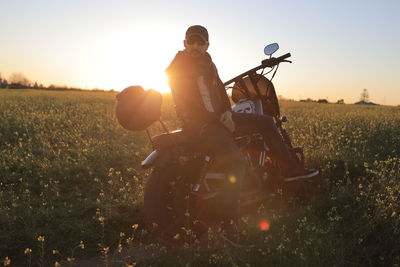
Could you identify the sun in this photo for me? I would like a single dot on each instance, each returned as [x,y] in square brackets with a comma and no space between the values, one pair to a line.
[157,82]
[131,58]
[128,75]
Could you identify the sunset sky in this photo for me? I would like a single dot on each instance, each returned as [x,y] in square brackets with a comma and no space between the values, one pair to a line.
[338,47]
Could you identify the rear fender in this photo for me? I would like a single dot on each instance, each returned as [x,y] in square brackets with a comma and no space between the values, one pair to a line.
[158,158]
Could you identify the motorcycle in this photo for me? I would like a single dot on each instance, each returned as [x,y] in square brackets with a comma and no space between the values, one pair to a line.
[182,192]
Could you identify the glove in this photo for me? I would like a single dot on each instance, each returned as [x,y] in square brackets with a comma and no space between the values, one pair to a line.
[226,120]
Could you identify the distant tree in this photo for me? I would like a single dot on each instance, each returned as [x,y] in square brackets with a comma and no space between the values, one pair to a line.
[364,96]
[340,101]
[4,83]
[35,85]
[307,100]
[322,101]
[19,78]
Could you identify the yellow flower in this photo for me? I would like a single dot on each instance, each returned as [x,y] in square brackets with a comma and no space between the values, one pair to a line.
[28,251]
[40,238]
[7,261]
[57,264]
[106,250]
[129,240]
[81,245]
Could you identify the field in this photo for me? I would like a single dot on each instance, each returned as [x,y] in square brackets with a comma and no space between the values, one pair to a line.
[71,188]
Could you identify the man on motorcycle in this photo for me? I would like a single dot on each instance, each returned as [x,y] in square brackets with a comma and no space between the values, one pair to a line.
[204,107]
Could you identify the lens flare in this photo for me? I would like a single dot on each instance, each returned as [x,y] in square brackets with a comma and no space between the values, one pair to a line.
[232,179]
[263,225]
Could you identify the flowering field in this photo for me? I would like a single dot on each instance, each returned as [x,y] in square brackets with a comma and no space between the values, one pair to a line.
[71,187]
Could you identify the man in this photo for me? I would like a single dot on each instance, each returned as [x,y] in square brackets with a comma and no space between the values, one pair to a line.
[204,107]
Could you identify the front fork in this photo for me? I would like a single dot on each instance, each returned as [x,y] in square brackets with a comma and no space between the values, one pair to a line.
[296,152]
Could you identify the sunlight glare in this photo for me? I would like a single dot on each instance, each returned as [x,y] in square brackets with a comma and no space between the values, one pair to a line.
[264,225]
[135,56]
[232,179]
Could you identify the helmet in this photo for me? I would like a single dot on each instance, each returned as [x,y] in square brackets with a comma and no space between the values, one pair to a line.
[137,109]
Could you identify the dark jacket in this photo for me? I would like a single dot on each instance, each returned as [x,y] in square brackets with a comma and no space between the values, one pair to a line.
[198,92]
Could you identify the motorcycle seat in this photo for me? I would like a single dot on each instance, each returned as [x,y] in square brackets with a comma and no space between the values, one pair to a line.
[165,140]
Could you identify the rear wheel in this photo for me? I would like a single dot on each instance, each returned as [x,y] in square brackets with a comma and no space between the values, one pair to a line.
[169,207]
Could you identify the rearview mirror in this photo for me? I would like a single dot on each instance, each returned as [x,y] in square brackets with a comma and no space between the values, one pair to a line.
[270,49]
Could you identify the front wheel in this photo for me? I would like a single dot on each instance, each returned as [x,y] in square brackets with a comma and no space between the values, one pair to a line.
[169,208]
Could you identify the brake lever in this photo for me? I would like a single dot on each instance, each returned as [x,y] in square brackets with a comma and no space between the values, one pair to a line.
[288,61]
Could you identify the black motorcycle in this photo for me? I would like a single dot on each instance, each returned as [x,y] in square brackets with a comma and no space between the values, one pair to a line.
[183,191]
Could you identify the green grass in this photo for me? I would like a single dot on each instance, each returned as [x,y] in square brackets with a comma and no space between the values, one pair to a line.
[70,173]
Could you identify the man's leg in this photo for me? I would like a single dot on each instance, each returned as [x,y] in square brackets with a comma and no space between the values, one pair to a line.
[265,125]
[217,140]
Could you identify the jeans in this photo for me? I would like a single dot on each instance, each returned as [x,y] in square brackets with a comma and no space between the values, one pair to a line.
[218,141]
[250,123]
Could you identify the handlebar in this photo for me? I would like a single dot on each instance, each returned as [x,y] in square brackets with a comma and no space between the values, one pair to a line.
[269,62]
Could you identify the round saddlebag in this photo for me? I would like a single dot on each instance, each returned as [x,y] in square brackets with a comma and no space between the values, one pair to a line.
[137,109]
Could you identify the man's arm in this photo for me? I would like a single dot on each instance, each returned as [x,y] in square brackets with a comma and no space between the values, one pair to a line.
[176,85]
[221,91]
[188,101]
[226,116]
[227,122]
